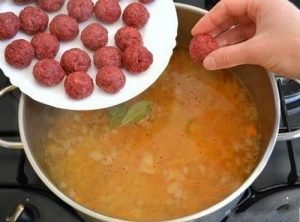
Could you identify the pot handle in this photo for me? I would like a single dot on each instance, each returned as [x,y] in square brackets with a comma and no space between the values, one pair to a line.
[288,136]
[3,143]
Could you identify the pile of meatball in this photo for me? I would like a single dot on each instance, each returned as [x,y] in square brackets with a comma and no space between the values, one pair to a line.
[129,52]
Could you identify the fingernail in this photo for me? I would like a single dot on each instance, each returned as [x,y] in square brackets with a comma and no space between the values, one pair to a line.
[193,31]
[210,63]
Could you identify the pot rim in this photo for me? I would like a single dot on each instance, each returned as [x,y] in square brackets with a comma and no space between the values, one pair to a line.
[260,166]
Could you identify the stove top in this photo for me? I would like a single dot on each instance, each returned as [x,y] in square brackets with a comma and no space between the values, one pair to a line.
[273,197]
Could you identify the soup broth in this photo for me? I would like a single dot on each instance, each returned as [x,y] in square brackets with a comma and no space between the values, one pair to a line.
[183,145]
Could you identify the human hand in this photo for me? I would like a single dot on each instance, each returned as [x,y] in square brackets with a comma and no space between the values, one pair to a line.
[262,32]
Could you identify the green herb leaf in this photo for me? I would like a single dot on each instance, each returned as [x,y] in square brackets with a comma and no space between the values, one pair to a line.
[116,114]
[137,112]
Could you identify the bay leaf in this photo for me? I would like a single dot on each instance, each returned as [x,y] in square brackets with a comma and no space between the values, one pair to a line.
[137,112]
[117,114]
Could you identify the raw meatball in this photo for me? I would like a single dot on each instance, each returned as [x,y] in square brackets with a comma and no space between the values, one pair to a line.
[94,36]
[33,20]
[64,27]
[50,5]
[75,60]
[146,1]
[9,25]
[108,56]
[19,53]
[78,85]
[23,2]
[48,72]
[108,11]
[200,46]
[111,79]
[128,36]
[137,59]
[136,15]
[45,45]
[81,10]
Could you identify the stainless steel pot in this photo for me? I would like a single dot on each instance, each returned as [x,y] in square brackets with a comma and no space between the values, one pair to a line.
[261,84]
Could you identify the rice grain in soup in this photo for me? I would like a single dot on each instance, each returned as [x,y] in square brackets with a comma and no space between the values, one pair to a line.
[189,141]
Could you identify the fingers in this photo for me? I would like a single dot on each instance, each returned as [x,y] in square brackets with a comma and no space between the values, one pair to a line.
[220,18]
[215,21]
[237,34]
[232,55]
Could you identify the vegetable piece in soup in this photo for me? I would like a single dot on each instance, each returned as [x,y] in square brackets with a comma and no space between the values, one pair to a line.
[183,145]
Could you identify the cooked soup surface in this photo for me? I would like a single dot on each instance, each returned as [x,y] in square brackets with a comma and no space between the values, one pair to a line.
[180,147]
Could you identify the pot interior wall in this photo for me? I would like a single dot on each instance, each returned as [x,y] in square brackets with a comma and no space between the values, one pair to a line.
[35,127]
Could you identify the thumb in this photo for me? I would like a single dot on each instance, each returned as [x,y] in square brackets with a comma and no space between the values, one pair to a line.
[229,56]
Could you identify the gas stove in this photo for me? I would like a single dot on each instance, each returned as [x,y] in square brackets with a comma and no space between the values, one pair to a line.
[274,196]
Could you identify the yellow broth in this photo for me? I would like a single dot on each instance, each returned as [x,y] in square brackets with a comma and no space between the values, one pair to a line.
[200,141]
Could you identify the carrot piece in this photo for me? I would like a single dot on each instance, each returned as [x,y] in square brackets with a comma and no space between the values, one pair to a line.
[251,131]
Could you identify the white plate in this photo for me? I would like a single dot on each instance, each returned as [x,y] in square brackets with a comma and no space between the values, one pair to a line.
[159,37]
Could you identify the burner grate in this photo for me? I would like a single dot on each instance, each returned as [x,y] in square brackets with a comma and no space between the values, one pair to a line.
[294,172]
